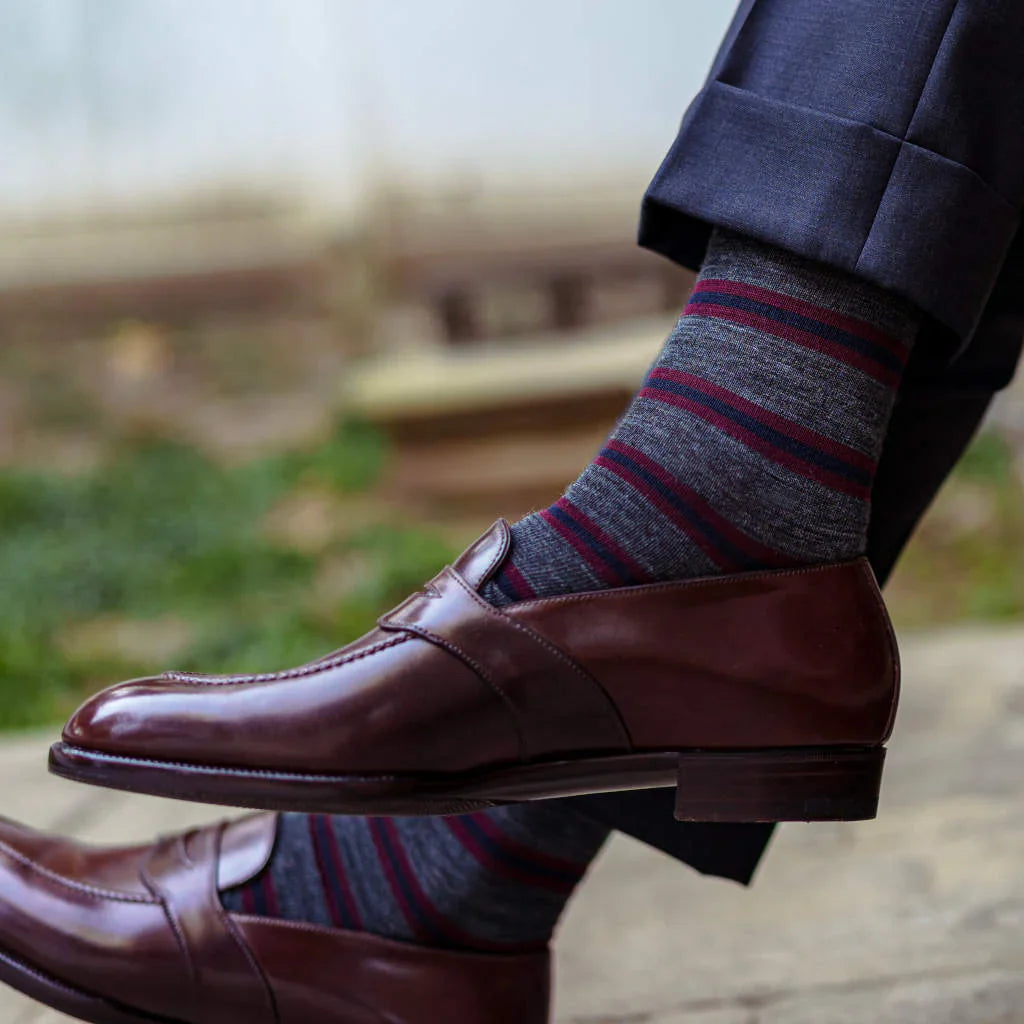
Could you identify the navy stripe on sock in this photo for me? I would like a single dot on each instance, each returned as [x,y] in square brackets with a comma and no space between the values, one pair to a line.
[532,870]
[258,902]
[332,874]
[502,582]
[401,887]
[798,449]
[789,318]
[736,557]
[621,572]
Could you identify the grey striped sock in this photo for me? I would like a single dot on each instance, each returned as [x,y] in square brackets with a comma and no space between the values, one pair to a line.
[753,442]
[493,880]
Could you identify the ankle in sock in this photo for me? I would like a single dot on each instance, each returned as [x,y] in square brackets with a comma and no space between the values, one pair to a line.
[494,880]
[752,443]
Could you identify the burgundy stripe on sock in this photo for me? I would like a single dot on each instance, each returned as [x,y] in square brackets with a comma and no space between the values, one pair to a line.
[669,508]
[725,544]
[269,895]
[521,589]
[829,317]
[400,891]
[634,571]
[424,919]
[730,546]
[511,861]
[835,449]
[853,342]
[341,904]
[808,453]
[249,900]
[546,861]
[584,550]
[611,564]
[805,339]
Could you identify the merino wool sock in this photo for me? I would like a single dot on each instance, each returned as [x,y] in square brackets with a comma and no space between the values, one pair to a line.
[752,443]
[492,881]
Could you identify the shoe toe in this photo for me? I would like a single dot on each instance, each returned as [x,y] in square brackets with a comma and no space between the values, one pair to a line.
[153,717]
[72,917]
[35,897]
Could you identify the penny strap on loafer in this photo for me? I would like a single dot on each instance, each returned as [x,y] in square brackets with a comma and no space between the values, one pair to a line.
[556,704]
[182,873]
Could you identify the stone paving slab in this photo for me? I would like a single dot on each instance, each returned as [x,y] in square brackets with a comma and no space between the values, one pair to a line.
[916,918]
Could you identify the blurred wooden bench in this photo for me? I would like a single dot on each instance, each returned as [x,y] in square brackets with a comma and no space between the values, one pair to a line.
[497,411]
[572,266]
[569,276]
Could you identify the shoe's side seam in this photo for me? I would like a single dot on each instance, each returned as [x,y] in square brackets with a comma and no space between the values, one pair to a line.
[294,673]
[79,887]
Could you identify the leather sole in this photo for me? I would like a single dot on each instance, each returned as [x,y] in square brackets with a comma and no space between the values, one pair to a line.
[43,988]
[786,784]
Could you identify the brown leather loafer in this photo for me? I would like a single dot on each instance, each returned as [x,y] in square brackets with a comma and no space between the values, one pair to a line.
[764,696]
[138,936]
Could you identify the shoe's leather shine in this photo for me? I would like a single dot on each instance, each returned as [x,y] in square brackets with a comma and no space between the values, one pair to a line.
[138,935]
[451,703]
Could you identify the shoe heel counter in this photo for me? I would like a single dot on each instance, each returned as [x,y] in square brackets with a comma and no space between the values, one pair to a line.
[872,667]
[885,641]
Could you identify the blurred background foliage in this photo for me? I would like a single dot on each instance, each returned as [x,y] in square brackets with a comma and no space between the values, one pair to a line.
[159,555]
[966,561]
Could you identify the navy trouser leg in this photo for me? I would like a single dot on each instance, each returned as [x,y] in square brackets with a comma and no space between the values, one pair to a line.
[884,137]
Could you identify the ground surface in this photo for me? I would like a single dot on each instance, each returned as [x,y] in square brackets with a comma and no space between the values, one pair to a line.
[917,918]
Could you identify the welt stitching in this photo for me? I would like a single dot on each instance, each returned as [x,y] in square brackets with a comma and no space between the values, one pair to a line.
[205,769]
[293,673]
[90,890]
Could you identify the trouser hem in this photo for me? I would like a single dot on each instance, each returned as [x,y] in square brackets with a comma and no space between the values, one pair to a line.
[833,190]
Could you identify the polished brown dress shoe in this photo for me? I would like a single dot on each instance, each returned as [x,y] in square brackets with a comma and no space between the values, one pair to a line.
[764,696]
[138,936]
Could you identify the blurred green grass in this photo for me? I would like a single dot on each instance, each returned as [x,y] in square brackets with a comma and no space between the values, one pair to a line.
[966,559]
[159,534]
